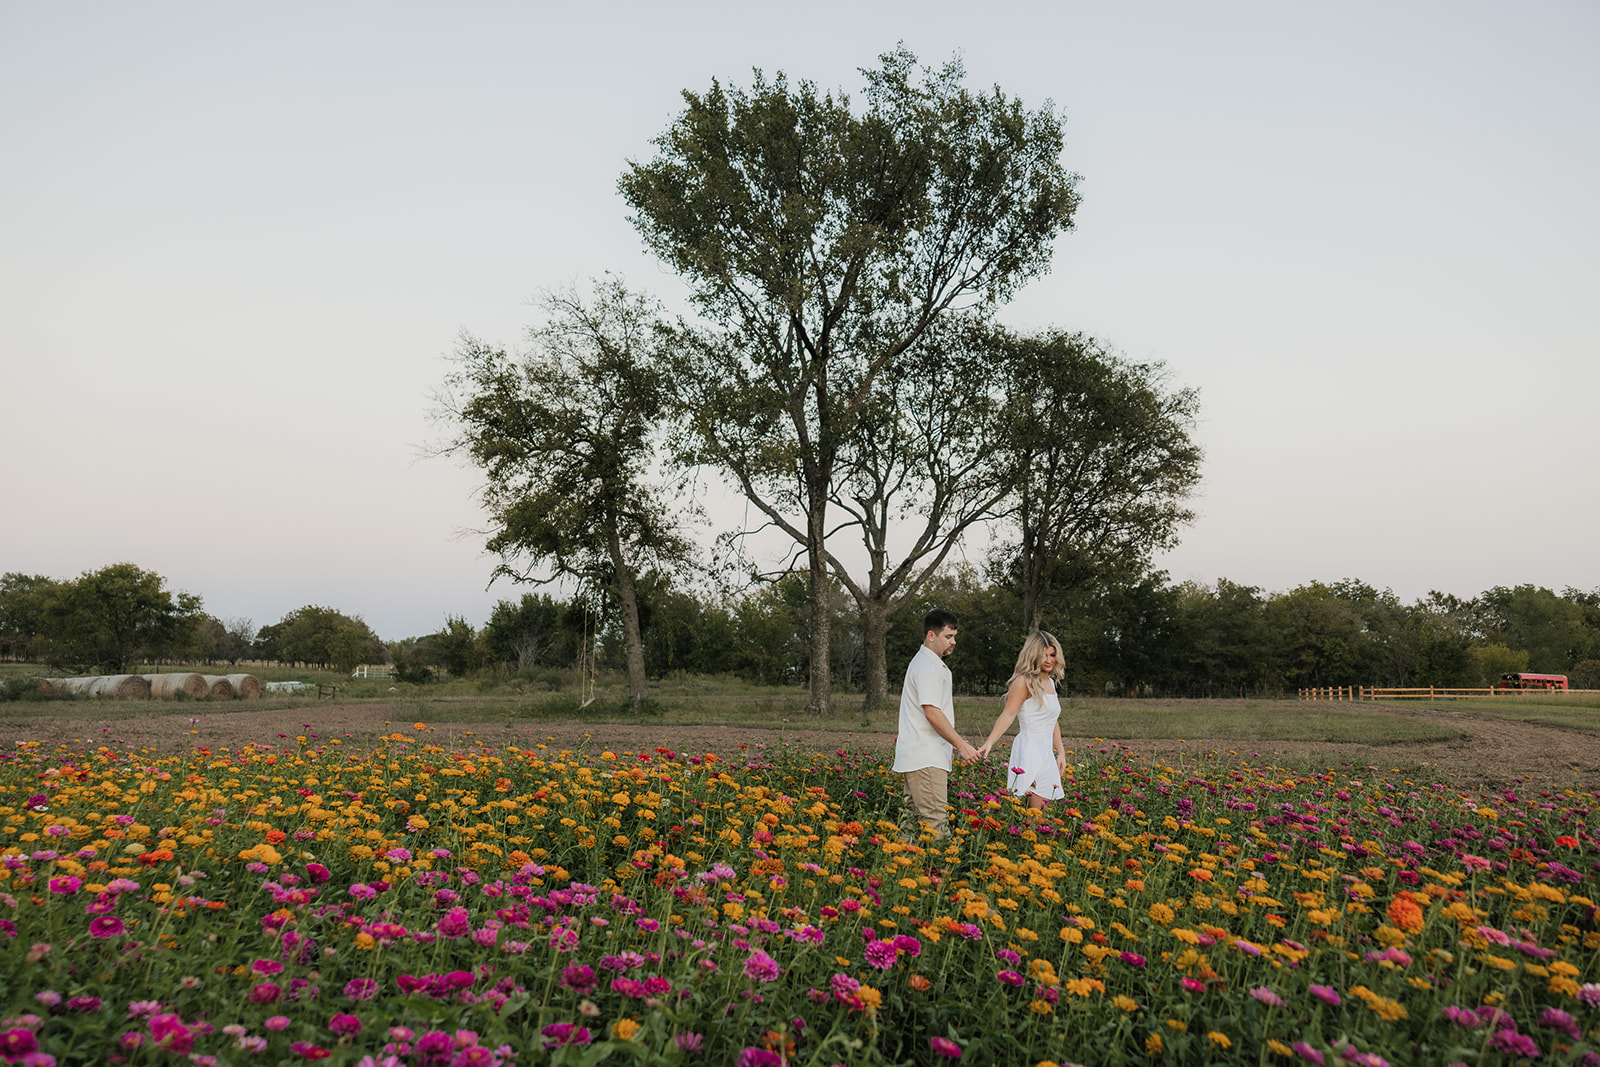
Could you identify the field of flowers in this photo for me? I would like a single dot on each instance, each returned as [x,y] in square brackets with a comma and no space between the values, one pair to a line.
[417,906]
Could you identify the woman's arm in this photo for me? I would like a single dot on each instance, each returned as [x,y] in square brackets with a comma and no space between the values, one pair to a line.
[1015,695]
[1061,750]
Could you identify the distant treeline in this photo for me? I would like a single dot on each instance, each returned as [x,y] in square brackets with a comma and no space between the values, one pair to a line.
[1135,635]
[1147,636]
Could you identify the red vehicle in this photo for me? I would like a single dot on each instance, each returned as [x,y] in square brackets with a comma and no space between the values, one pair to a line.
[1533,681]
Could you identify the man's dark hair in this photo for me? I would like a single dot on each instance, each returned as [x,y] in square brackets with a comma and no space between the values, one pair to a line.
[937,620]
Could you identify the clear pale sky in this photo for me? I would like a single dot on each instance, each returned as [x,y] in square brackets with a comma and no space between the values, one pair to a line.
[237,241]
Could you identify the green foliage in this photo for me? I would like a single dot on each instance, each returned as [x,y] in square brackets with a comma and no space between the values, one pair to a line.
[321,636]
[23,687]
[533,632]
[24,623]
[1099,449]
[566,439]
[1557,632]
[820,245]
[114,616]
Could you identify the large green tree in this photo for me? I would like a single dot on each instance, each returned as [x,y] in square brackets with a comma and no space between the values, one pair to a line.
[1103,462]
[820,242]
[112,617]
[566,437]
[323,636]
[24,622]
[1554,630]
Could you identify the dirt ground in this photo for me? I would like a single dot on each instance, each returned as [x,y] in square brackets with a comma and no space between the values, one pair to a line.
[1491,754]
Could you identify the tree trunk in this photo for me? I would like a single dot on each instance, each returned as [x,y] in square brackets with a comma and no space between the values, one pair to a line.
[633,637]
[821,646]
[874,635]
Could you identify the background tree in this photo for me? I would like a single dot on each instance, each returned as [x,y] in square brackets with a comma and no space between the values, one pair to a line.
[1102,458]
[566,438]
[530,633]
[24,624]
[1554,630]
[819,245]
[457,646]
[321,636]
[112,617]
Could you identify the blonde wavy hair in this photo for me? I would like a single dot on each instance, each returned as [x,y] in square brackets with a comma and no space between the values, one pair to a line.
[1031,658]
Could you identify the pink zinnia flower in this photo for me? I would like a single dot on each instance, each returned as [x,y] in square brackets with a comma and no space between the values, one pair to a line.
[456,923]
[105,926]
[881,954]
[1011,978]
[1267,997]
[1325,994]
[344,1025]
[761,967]
[66,883]
[558,1034]
[1193,985]
[359,989]
[17,1043]
[267,967]
[945,1047]
[169,1032]
[908,944]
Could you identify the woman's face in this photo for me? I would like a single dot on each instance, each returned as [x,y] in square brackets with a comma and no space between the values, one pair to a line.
[1047,663]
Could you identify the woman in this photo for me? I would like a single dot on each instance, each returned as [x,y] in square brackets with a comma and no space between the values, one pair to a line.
[1038,758]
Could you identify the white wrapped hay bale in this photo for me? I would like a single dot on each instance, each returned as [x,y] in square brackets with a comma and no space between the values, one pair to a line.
[170,685]
[245,686]
[115,686]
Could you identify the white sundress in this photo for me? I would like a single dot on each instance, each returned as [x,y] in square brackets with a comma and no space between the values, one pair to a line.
[1033,757]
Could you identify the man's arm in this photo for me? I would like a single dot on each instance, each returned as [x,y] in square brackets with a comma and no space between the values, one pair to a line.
[942,727]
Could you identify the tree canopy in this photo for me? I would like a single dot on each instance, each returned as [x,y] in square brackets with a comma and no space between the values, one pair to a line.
[820,243]
[566,437]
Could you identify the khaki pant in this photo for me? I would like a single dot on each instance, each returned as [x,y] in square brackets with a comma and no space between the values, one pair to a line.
[928,789]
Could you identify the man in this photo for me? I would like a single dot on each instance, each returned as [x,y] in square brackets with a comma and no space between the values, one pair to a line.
[922,752]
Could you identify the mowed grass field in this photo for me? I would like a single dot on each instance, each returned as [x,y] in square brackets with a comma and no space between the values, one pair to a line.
[558,696]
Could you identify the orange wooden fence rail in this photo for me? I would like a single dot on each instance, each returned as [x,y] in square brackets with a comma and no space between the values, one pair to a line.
[1424,692]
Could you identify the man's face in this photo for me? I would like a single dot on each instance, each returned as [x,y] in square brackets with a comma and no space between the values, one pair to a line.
[941,642]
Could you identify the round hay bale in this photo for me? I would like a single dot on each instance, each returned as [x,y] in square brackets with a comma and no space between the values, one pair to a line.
[170,685]
[245,686]
[118,687]
[218,687]
[64,685]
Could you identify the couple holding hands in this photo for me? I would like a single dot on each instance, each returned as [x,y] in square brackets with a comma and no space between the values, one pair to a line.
[928,740]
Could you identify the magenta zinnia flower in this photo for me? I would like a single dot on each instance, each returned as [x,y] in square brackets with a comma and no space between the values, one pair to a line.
[557,1034]
[359,989]
[1326,994]
[945,1047]
[345,1024]
[105,926]
[761,967]
[880,954]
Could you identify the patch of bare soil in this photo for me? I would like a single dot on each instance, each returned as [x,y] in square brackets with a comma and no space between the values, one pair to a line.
[1489,753]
